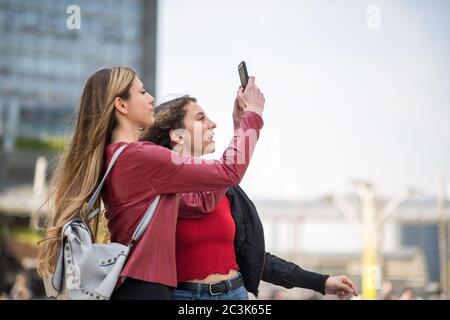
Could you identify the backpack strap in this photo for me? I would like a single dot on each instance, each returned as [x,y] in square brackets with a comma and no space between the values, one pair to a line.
[144,221]
[148,214]
[94,197]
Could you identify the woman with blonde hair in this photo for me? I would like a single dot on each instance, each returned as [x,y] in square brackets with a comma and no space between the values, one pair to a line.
[113,111]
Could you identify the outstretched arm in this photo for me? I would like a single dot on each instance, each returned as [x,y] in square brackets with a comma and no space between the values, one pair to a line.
[288,274]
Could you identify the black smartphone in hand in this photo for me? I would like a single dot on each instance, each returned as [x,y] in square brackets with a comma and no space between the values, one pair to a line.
[243,74]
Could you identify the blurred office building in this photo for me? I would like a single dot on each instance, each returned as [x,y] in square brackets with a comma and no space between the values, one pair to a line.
[44,63]
[48,49]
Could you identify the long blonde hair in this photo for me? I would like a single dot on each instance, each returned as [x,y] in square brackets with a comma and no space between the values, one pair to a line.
[81,164]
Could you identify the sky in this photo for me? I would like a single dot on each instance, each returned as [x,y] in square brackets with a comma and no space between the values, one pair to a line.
[343,101]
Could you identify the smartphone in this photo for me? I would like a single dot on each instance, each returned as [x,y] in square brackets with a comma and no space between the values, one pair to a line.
[242,68]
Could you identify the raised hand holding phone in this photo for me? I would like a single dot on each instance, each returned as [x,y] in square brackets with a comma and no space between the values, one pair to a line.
[251,99]
[248,98]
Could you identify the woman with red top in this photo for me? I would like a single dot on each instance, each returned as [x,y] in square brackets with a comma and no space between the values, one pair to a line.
[114,110]
[222,255]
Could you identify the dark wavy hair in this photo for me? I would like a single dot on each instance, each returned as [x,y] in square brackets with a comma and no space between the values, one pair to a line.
[168,116]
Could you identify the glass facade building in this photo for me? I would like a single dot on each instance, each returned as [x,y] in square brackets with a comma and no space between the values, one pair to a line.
[44,64]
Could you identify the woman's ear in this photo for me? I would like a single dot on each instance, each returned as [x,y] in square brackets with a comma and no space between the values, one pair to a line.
[120,105]
[175,136]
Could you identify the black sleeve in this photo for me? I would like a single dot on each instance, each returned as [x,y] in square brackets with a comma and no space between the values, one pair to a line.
[288,275]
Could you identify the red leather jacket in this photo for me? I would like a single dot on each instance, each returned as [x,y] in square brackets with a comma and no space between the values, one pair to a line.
[145,170]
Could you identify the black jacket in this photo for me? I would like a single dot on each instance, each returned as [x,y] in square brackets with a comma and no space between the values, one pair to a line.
[254,262]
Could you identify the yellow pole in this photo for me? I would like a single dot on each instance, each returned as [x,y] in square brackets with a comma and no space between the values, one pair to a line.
[370,271]
[370,274]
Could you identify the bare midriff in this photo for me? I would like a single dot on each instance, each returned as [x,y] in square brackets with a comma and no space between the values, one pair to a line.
[216,277]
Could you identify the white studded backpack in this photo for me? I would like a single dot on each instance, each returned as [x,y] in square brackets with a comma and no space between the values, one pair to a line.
[88,270]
